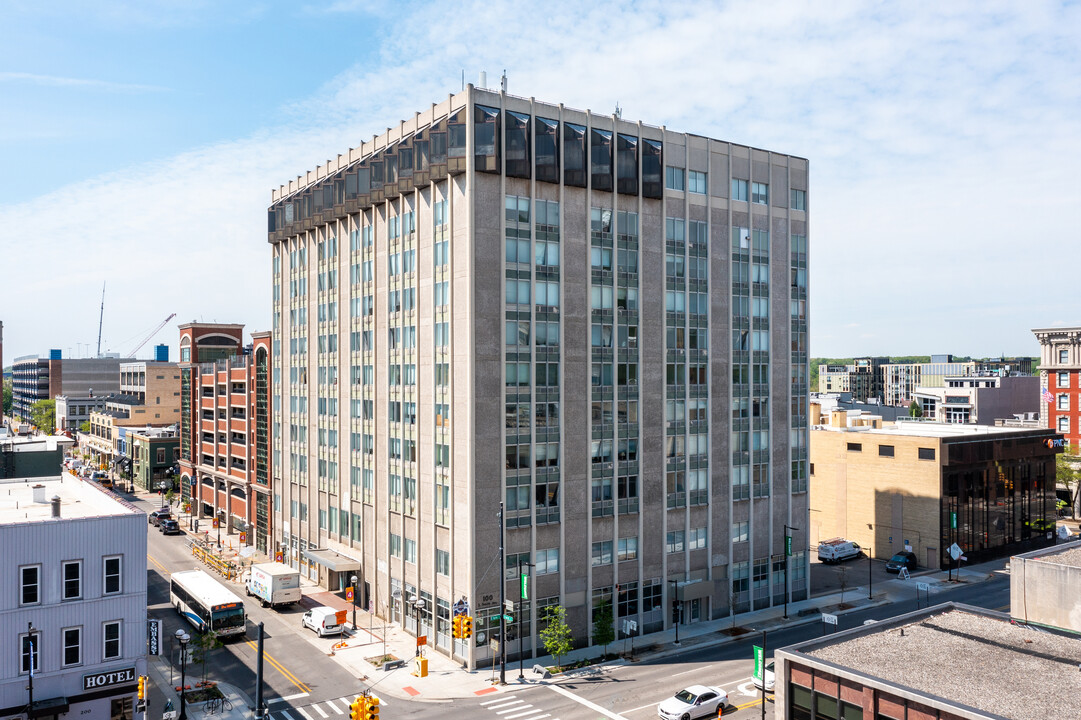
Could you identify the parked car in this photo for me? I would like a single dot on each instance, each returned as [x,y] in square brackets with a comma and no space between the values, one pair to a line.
[837,549]
[901,560]
[158,515]
[769,679]
[170,527]
[323,620]
[693,702]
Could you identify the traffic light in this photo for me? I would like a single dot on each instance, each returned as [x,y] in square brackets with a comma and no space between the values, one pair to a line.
[467,626]
[356,708]
[142,687]
[373,708]
[457,626]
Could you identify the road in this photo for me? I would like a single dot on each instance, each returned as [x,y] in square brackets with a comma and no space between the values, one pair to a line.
[303,683]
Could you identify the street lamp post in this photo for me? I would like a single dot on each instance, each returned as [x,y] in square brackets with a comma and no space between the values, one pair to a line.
[787,552]
[678,606]
[870,571]
[183,638]
[523,596]
[353,582]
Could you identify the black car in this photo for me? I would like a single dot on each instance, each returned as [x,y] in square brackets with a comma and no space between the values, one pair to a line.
[901,560]
[170,527]
[157,516]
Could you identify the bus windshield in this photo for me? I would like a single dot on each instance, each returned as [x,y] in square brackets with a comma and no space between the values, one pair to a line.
[233,617]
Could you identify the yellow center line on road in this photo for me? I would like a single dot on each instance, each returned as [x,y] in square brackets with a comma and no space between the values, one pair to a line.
[281,668]
[750,704]
[153,560]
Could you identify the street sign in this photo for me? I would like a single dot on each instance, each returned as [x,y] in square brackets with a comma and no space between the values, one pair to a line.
[508,605]
[525,586]
[953,521]
[494,644]
[630,627]
[422,640]
[955,551]
[508,618]
[829,619]
[923,587]
[758,660]
[788,545]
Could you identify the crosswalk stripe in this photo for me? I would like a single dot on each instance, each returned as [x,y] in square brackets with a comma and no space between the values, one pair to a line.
[531,712]
[306,715]
[319,710]
[287,715]
[521,706]
[520,714]
[498,700]
[333,707]
[505,704]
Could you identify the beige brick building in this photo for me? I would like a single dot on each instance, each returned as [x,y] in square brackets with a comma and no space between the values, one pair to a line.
[927,485]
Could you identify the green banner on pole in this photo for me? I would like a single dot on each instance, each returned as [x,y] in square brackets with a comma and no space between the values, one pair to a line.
[758,657]
[953,521]
[788,545]
[525,586]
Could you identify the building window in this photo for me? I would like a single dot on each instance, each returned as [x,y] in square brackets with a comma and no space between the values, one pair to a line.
[628,548]
[1063,424]
[73,575]
[1063,402]
[602,553]
[673,178]
[547,561]
[31,652]
[926,453]
[885,450]
[411,551]
[739,189]
[855,447]
[110,640]
[395,545]
[674,541]
[696,182]
[30,585]
[741,532]
[111,575]
[73,642]
[696,540]
[760,193]
[799,199]
[1063,356]
[442,562]
[1064,379]
[799,703]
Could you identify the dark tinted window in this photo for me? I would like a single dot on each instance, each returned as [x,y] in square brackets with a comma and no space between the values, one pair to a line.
[799,702]
[516,137]
[318,198]
[885,450]
[855,447]
[546,149]
[627,164]
[391,166]
[574,155]
[351,185]
[439,148]
[455,134]
[486,138]
[377,173]
[364,180]
[420,149]
[652,164]
[600,159]
[926,453]
[405,161]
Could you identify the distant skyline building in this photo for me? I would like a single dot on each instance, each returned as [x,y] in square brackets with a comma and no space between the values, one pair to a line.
[35,378]
[599,323]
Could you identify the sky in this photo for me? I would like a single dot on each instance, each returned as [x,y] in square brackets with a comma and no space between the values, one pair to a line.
[140,140]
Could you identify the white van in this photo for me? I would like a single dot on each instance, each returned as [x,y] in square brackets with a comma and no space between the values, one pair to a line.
[836,550]
[323,620]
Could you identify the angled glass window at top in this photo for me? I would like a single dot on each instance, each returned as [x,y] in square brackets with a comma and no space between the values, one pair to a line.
[546,149]
[600,159]
[627,164]
[652,165]
[574,155]
[516,140]
[486,139]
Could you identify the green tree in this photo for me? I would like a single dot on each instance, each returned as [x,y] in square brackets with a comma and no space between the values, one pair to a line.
[202,645]
[914,410]
[556,635]
[43,414]
[7,397]
[604,630]
[1068,473]
[85,427]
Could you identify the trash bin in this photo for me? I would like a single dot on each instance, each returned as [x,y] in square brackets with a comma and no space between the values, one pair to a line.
[420,666]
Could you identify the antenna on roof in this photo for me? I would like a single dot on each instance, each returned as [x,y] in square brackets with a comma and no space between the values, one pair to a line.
[503,81]
[463,79]
[619,111]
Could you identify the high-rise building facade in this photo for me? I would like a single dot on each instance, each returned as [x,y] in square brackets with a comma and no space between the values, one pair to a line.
[1060,382]
[600,324]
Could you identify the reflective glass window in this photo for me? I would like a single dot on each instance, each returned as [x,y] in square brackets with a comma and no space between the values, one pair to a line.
[574,155]
[652,162]
[600,159]
[455,135]
[486,138]
[627,164]
[546,149]
[516,140]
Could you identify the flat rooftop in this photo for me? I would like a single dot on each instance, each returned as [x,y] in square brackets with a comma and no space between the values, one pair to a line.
[928,429]
[78,499]
[1069,555]
[971,658]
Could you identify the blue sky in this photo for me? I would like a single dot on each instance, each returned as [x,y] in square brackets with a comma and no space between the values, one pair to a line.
[140,141]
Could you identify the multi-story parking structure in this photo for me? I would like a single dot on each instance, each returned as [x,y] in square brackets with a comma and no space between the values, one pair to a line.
[599,323]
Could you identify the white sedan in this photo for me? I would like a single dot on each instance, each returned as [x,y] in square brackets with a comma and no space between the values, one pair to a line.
[770,679]
[694,702]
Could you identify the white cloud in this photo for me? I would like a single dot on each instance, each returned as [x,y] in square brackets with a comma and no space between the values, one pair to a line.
[71,82]
[942,139]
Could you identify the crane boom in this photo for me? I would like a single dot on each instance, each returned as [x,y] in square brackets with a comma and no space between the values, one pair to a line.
[101,317]
[152,334]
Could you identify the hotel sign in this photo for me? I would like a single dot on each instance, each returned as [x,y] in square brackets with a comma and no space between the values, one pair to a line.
[97,681]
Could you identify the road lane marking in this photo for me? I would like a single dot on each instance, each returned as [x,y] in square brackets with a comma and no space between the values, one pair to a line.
[152,559]
[514,709]
[334,707]
[582,701]
[535,717]
[306,715]
[501,699]
[505,703]
[534,711]
[642,707]
[287,698]
[281,668]
[287,715]
[747,705]
[319,710]
[697,669]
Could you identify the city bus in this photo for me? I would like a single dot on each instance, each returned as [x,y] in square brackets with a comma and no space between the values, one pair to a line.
[206,603]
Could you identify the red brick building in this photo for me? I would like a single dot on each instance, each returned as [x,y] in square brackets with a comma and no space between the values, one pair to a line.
[1060,382]
[224,434]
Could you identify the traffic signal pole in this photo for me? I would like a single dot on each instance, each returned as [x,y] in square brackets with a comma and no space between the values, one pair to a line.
[502,604]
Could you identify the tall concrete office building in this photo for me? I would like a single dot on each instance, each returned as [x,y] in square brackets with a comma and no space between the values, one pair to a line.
[599,323]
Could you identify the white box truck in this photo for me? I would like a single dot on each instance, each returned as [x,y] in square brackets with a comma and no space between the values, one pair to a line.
[274,583]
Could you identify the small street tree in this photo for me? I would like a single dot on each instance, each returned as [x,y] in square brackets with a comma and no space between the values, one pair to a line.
[203,644]
[557,634]
[43,414]
[603,625]
[7,397]
[1068,473]
[842,576]
[914,410]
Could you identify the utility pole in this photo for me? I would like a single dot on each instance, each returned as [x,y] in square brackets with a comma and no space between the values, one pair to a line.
[502,604]
[764,675]
[870,571]
[260,707]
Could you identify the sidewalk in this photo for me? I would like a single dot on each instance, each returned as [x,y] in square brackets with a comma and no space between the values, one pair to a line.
[160,672]
[447,679]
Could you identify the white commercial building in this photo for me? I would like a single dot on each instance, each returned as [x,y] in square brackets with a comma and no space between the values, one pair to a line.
[72,601]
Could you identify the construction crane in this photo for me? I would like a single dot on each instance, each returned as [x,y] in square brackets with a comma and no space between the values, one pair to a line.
[153,332]
[101,318]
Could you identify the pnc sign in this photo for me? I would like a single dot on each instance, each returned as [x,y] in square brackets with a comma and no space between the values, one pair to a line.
[96,681]
[1055,442]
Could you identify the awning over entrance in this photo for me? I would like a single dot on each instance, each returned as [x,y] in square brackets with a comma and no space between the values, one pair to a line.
[332,560]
